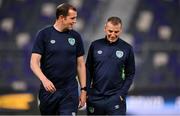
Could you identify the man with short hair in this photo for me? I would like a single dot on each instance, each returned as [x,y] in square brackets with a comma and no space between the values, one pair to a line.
[57,57]
[110,70]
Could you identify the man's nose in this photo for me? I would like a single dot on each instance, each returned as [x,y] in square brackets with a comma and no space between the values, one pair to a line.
[74,21]
[113,35]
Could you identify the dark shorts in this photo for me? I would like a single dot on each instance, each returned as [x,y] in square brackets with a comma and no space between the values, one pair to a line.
[113,105]
[60,102]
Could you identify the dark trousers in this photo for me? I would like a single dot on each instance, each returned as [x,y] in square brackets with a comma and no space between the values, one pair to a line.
[113,105]
[60,102]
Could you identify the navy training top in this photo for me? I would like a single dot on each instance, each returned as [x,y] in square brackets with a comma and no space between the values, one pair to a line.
[110,68]
[59,52]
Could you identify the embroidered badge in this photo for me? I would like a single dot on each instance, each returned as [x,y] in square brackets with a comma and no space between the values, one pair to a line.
[116,107]
[91,109]
[99,51]
[71,41]
[52,41]
[119,54]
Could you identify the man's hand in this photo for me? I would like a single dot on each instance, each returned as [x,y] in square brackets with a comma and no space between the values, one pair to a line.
[48,85]
[82,99]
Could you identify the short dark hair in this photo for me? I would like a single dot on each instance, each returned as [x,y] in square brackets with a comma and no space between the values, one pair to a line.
[114,20]
[63,9]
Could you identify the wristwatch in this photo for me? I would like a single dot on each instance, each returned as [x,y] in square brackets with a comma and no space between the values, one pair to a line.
[84,88]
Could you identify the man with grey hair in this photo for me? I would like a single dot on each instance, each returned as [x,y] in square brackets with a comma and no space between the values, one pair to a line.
[110,70]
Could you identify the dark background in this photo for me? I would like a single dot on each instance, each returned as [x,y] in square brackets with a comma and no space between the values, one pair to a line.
[157,54]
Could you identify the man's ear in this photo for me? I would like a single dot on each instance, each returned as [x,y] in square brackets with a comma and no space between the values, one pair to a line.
[105,28]
[61,17]
[121,30]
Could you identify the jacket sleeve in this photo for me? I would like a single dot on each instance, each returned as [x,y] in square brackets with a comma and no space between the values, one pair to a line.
[89,68]
[129,73]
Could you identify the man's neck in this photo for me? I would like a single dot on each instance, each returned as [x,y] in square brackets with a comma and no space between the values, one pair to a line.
[112,41]
[58,26]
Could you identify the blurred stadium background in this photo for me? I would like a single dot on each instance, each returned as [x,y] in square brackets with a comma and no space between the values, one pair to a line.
[150,26]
